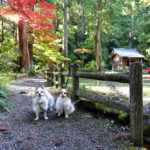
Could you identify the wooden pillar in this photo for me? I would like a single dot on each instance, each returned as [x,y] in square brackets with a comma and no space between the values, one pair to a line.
[56,78]
[136,104]
[75,83]
[62,77]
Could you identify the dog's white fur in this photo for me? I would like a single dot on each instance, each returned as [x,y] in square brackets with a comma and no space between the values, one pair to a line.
[63,103]
[41,101]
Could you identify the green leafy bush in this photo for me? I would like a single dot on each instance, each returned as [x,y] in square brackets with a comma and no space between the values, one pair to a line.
[90,66]
[3,95]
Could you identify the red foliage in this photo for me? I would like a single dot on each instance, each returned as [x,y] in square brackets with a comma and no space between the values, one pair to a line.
[23,9]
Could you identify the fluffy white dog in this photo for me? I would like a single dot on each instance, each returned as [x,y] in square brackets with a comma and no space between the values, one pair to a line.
[63,104]
[41,101]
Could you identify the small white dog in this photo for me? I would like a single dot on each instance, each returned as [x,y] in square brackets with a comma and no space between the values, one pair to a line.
[41,101]
[63,104]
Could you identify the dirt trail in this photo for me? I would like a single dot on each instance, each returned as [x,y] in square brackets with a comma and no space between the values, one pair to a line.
[80,131]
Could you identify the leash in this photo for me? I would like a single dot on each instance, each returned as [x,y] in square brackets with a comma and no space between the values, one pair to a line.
[68,77]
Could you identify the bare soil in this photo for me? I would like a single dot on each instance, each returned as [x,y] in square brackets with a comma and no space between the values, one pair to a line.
[81,131]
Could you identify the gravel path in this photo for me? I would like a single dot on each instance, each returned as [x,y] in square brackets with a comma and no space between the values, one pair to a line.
[80,131]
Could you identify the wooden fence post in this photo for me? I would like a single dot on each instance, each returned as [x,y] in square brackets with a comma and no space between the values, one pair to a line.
[75,82]
[45,74]
[62,78]
[136,104]
[52,77]
[56,78]
[48,76]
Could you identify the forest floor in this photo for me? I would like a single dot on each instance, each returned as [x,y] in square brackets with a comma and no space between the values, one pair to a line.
[81,131]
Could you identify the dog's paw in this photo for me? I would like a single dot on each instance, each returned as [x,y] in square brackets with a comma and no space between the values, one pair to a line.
[45,118]
[58,114]
[66,116]
[37,118]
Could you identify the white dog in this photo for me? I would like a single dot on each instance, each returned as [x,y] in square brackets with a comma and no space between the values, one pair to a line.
[63,104]
[41,101]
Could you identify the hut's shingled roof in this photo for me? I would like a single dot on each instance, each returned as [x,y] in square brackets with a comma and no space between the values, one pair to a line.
[131,53]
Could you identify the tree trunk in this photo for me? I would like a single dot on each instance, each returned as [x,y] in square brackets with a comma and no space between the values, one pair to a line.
[30,48]
[65,38]
[23,46]
[98,46]
[2,24]
[83,17]
[130,34]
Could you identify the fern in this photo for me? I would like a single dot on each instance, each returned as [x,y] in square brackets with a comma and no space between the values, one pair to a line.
[3,95]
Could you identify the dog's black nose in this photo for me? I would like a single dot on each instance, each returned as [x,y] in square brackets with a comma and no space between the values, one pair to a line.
[39,95]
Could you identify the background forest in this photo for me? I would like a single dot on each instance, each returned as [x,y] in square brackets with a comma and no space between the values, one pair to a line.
[91,29]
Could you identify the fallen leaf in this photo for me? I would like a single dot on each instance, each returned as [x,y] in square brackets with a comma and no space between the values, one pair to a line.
[31,135]
[3,128]
[119,136]
[12,94]
[67,135]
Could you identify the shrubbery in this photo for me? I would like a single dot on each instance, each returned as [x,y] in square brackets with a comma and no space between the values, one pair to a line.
[3,95]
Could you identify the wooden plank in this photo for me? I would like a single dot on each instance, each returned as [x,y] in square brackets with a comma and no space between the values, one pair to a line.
[105,77]
[106,100]
[136,104]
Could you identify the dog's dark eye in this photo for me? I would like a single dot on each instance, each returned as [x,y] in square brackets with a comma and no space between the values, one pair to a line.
[37,92]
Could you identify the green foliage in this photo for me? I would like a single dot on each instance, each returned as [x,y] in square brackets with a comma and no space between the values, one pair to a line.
[90,66]
[9,50]
[109,125]
[123,117]
[3,95]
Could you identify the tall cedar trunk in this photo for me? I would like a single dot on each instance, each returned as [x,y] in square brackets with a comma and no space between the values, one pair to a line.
[30,47]
[98,46]
[23,46]
[65,38]
[2,24]
[99,8]
[130,34]
[83,17]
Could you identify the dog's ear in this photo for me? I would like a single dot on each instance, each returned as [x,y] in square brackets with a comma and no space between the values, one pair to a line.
[67,92]
[60,91]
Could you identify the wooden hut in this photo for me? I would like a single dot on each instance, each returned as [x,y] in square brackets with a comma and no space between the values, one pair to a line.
[121,58]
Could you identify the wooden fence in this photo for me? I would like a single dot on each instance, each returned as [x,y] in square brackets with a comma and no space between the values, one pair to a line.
[134,79]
